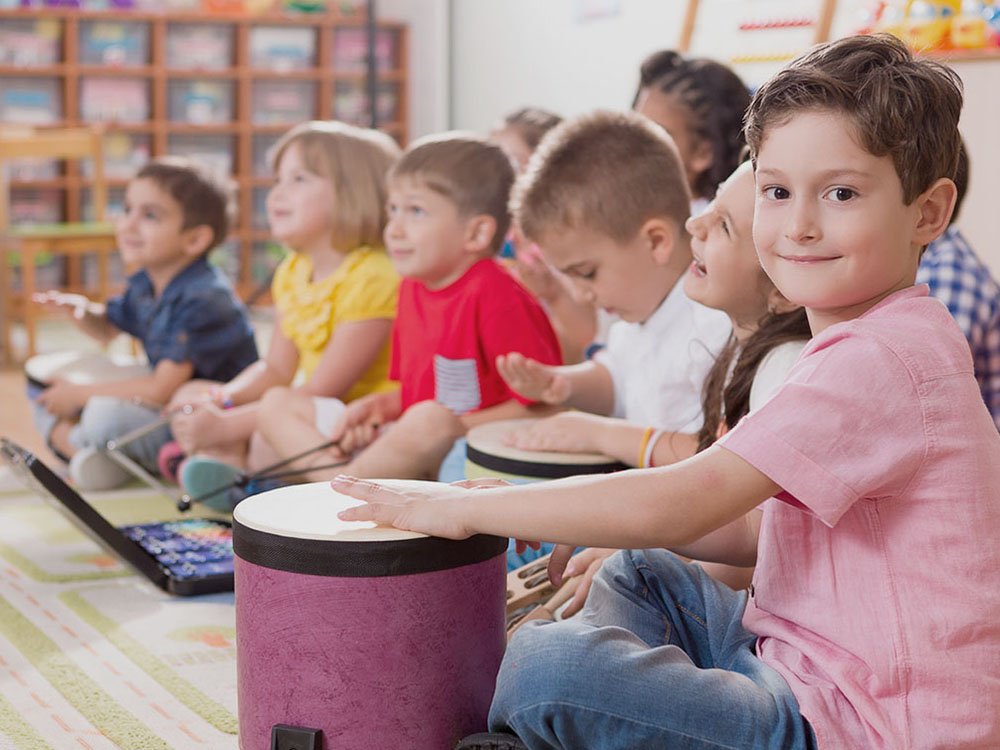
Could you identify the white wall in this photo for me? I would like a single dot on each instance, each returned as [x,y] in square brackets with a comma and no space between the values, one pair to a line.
[518,53]
[429,66]
[514,53]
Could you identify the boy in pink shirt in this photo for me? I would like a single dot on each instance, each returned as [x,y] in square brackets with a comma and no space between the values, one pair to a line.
[867,491]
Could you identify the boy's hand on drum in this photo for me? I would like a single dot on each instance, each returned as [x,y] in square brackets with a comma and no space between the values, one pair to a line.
[63,399]
[533,380]
[74,305]
[428,512]
[571,431]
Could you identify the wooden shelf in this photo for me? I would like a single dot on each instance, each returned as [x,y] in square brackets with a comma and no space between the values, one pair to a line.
[246,83]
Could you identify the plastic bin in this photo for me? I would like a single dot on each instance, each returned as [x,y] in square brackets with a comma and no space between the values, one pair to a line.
[205,46]
[114,99]
[283,102]
[29,42]
[110,43]
[212,151]
[30,100]
[200,102]
[282,47]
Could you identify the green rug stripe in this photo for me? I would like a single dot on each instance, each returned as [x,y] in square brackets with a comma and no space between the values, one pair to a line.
[18,731]
[85,695]
[33,571]
[212,712]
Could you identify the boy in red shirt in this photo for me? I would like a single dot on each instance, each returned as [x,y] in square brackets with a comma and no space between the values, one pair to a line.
[458,310]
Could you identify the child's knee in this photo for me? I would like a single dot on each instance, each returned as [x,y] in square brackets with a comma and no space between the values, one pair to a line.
[542,660]
[101,420]
[276,401]
[434,420]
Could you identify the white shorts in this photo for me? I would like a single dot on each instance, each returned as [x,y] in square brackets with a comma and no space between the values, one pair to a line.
[328,414]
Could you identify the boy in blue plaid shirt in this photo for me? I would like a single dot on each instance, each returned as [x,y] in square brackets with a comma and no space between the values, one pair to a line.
[957,277]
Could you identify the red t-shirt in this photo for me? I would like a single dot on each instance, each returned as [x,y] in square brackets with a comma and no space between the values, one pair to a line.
[445,342]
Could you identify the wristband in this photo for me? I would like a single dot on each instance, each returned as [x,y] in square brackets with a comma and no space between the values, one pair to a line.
[220,399]
[647,433]
[650,446]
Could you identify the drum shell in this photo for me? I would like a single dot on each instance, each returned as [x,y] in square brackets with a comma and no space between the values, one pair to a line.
[373,661]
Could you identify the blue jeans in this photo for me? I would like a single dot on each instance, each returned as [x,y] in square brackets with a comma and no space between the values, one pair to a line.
[107,418]
[658,658]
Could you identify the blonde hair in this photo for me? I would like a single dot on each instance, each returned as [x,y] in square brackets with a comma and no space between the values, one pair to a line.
[468,170]
[355,161]
[608,172]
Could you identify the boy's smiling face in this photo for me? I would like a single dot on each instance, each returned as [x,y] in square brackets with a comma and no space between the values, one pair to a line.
[426,236]
[830,225]
[150,231]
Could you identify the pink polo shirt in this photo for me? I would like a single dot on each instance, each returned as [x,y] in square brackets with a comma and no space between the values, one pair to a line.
[877,588]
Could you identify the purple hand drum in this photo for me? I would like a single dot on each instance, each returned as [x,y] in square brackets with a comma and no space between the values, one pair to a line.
[378,637]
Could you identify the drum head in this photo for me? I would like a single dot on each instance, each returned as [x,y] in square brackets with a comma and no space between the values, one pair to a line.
[296,529]
[81,368]
[309,511]
[485,447]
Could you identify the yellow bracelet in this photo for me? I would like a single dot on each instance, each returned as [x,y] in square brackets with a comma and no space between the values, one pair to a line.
[647,433]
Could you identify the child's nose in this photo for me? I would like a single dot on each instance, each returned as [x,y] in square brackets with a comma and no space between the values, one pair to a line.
[802,223]
[695,226]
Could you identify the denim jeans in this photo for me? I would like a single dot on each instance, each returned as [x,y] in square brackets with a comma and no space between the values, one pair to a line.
[106,418]
[658,658]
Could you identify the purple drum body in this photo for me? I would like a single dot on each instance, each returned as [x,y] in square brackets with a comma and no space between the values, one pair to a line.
[379,643]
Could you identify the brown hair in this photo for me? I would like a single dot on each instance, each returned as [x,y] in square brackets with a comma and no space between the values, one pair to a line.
[605,171]
[205,198]
[715,100]
[726,396]
[468,170]
[355,161]
[531,124]
[901,107]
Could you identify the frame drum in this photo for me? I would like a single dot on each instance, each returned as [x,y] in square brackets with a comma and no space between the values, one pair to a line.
[488,456]
[377,637]
[83,368]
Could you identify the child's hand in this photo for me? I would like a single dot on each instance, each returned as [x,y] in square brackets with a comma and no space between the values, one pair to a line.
[359,426]
[585,564]
[435,512]
[533,380]
[571,432]
[64,303]
[63,399]
[203,426]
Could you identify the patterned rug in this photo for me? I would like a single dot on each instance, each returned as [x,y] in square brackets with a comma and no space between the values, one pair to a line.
[94,657]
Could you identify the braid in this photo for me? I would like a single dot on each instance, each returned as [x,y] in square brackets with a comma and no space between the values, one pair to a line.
[716,99]
[729,395]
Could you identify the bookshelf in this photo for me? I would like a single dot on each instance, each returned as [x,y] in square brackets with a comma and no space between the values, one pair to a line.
[220,87]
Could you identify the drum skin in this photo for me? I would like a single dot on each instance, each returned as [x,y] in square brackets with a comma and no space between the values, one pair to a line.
[373,655]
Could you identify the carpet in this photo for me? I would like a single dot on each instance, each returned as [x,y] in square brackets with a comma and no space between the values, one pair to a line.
[93,656]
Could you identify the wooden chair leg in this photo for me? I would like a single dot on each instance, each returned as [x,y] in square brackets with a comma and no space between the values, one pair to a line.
[27,291]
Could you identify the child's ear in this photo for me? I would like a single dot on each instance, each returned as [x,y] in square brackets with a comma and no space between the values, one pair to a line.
[197,240]
[661,237]
[934,205]
[479,233]
[702,157]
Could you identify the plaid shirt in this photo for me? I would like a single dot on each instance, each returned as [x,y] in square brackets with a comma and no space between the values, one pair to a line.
[957,277]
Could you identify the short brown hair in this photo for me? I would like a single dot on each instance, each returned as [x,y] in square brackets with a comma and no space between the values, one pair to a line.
[531,124]
[205,198]
[605,171]
[901,107]
[355,161]
[468,170]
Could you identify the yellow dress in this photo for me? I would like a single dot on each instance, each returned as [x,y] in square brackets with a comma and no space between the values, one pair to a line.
[363,287]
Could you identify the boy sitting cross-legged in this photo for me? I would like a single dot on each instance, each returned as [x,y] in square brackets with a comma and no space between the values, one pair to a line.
[459,309]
